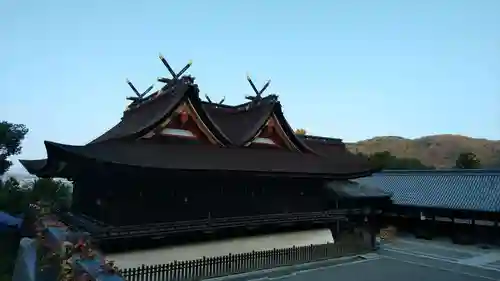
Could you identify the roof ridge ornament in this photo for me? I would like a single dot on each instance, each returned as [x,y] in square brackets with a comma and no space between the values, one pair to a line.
[171,82]
[258,94]
[210,101]
[139,97]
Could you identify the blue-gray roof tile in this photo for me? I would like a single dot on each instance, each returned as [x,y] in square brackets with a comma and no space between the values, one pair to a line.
[477,190]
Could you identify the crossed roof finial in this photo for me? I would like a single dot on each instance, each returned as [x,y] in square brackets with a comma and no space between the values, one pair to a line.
[175,76]
[139,97]
[258,94]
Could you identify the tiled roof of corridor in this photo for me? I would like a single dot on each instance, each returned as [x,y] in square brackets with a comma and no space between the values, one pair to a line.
[477,190]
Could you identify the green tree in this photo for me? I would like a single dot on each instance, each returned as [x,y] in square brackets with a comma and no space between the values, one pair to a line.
[382,159]
[13,198]
[300,131]
[467,160]
[55,192]
[11,136]
[495,164]
[390,162]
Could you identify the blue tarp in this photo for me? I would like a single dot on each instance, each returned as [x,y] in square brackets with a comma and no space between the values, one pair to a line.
[8,221]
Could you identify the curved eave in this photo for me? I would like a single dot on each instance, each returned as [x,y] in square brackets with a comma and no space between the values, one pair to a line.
[51,167]
[207,120]
[259,124]
[278,112]
[145,117]
[34,167]
[243,125]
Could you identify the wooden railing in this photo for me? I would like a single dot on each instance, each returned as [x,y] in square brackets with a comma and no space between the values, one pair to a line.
[240,263]
[160,229]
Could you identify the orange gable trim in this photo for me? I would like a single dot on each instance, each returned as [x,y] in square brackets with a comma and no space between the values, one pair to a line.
[185,123]
[282,134]
[273,134]
[204,127]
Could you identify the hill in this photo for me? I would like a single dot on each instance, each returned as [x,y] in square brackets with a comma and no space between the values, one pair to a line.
[440,151]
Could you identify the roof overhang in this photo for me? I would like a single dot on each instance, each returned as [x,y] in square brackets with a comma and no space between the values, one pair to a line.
[351,189]
[290,133]
[44,168]
[56,165]
[63,159]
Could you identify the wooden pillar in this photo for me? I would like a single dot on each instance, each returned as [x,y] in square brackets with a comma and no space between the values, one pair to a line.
[453,225]
[76,197]
[335,229]
[474,230]
[374,229]
[496,229]
[433,224]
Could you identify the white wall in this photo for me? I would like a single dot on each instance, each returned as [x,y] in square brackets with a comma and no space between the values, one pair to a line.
[220,248]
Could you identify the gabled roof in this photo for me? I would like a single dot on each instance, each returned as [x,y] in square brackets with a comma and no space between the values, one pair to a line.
[477,190]
[136,121]
[232,125]
[241,123]
[229,127]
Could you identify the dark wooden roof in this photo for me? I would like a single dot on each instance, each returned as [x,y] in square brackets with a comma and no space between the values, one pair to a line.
[34,166]
[205,158]
[140,119]
[232,126]
[342,165]
[240,124]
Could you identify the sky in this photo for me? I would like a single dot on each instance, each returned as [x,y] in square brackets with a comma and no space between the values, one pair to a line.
[347,69]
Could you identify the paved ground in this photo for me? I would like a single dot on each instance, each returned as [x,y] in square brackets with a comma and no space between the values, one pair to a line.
[405,259]
[446,251]
[382,269]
